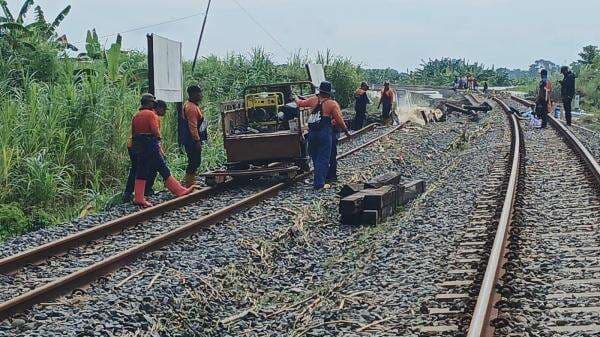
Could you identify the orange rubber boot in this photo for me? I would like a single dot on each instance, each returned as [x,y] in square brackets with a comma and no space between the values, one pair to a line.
[138,190]
[175,187]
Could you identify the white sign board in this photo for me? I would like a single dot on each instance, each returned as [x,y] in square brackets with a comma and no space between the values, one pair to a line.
[316,73]
[168,69]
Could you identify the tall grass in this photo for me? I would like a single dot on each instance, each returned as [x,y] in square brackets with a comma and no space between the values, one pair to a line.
[62,140]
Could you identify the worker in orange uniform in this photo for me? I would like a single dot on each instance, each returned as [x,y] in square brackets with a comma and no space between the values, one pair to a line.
[161,109]
[325,115]
[543,101]
[192,132]
[387,101]
[145,131]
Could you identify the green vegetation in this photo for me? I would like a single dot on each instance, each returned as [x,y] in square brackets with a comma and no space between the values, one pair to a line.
[65,120]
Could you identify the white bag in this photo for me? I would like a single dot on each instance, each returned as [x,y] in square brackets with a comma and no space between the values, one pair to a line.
[535,122]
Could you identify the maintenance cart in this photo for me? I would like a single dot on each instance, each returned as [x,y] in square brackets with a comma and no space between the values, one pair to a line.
[264,133]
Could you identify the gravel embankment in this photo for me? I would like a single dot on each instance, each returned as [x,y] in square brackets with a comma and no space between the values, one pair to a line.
[589,138]
[259,263]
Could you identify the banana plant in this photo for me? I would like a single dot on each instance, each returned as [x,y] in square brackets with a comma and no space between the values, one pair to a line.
[15,28]
[113,59]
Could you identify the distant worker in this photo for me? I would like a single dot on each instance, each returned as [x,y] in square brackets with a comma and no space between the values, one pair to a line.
[567,91]
[192,131]
[161,109]
[360,106]
[145,131]
[485,87]
[325,116]
[386,102]
[543,102]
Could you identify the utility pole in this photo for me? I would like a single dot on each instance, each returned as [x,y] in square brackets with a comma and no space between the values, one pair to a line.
[200,38]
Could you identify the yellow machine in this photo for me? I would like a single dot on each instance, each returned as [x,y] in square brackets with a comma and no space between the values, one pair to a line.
[262,109]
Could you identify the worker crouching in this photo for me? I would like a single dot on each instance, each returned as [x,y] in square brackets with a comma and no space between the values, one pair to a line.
[145,132]
[325,116]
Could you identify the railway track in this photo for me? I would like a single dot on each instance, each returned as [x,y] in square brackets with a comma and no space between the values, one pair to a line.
[539,247]
[552,286]
[63,265]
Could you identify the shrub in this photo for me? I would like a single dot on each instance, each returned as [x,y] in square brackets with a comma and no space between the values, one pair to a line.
[12,220]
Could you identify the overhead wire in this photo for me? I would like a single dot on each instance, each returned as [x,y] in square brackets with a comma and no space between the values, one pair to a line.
[148,26]
[263,28]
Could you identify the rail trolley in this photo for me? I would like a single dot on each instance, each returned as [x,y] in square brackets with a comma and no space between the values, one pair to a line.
[264,133]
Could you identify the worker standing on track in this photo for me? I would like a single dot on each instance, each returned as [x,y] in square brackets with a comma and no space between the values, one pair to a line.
[145,132]
[192,132]
[326,114]
[161,109]
[543,102]
[360,106]
[387,101]
[567,91]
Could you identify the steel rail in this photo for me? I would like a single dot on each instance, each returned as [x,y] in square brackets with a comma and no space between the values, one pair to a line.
[571,140]
[12,263]
[88,274]
[484,308]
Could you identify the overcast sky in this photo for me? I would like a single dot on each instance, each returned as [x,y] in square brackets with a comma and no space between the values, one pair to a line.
[379,34]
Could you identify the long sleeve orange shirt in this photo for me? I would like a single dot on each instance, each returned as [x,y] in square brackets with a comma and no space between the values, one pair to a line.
[193,115]
[330,108]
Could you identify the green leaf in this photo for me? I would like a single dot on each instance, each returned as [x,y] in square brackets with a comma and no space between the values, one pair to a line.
[113,59]
[24,10]
[13,26]
[59,18]
[7,12]
[39,15]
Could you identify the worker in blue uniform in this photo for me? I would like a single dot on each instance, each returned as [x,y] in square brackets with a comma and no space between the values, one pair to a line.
[325,114]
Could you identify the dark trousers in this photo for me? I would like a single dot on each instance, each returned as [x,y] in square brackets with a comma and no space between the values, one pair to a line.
[194,157]
[359,120]
[544,117]
[132,175]
[332,173]
[148,159]
[386,113]
[319,148]
[567,104]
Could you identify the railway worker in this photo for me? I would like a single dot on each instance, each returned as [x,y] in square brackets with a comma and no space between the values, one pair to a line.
[485,87]
[145,132]
[192,132]
[325,116]
[543,101]
[386,101]
[161,109]
[360,106]
[567,91]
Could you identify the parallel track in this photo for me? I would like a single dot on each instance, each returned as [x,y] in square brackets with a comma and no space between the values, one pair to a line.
[81,276]
[542,266]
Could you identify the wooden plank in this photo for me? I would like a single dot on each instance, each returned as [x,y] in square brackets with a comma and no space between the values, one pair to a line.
[377,199]
[575,310]
[390,178]
[561,296]
[443,311]
[352,204]
[433,330]
[370,217]
[451,297]
[455,284]
[350,189]
[574,282]
[576,328]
